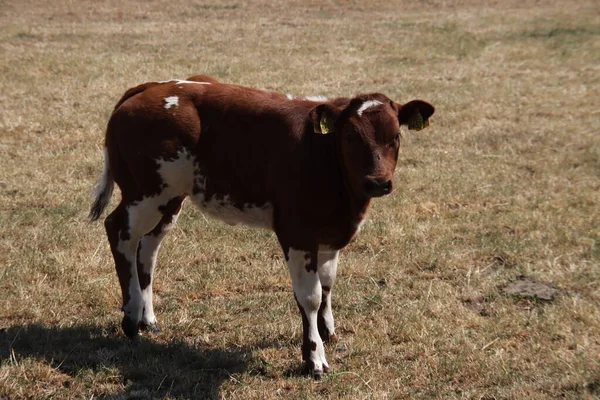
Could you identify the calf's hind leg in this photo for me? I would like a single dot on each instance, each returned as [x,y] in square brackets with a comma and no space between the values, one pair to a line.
[125,227]
[146,259]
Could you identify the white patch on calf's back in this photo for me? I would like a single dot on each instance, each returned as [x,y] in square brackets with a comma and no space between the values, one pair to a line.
[182,81]
[316,98]
[366,105]
[309,98]
[171,101]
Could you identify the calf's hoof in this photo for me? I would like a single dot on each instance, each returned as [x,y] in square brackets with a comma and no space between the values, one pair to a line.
[326,336]
[152,328]
[316,373]
[130,327]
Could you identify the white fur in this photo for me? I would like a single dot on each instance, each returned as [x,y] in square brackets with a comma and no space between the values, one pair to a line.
[366,105]
[177,174]
[180,175]
[327,269]
[316,98]
[307,289]
[225,210]
[143,216]
[361,224]
[149,246]
[182,81]
[101,184]
[309,98]
[171,101]
[104,187]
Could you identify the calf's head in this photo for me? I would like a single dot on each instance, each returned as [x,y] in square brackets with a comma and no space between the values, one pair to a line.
[367,132]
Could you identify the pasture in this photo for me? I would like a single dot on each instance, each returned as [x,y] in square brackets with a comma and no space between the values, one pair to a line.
[505,183]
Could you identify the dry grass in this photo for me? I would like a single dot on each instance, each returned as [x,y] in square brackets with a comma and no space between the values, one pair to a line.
[506,182]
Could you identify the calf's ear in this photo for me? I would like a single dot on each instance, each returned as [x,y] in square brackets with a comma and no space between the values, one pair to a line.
[415,114]
[324,117]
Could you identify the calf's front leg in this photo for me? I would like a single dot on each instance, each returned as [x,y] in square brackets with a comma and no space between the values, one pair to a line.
[308,293]
[327,270]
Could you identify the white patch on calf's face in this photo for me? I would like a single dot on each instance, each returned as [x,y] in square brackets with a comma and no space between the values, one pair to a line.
[171,101]
[366,105]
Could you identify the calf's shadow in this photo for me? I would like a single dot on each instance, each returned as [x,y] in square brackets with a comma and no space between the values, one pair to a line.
[154,370]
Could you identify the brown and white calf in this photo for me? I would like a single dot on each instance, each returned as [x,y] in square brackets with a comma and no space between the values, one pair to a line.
[304,168]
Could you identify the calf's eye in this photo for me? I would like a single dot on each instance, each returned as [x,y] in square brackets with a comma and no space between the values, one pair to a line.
[396,140]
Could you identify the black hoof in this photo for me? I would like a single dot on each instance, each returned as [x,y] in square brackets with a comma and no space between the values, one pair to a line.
[317,375]
[309,369]
[152,328]
[130,328]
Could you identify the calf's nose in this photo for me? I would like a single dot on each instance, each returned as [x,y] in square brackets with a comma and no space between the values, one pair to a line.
[378,187]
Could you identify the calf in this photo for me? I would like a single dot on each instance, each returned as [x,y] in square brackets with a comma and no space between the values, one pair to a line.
[305,168]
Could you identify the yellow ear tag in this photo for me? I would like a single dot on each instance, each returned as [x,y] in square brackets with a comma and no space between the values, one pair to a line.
[416,123]
[317,127]
[325,125]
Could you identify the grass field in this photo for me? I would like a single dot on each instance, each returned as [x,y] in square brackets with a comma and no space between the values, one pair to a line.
[505,183]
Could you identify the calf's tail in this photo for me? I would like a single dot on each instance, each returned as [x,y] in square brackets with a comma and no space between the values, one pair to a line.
[102,192]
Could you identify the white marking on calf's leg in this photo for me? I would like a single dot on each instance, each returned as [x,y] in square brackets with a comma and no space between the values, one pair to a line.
[307,291]
[178,176]
[147,254]
[127,225]
[327,270]
[143,216]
